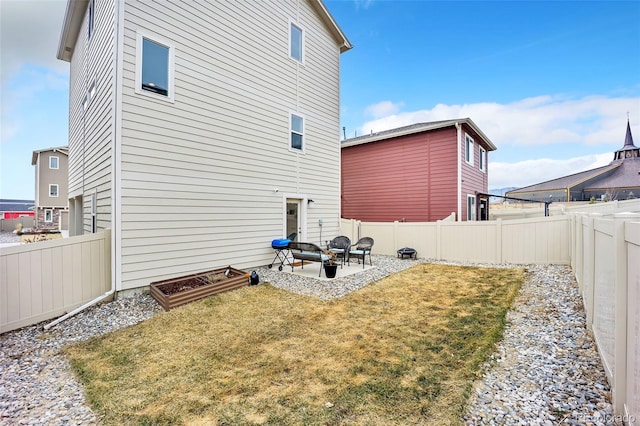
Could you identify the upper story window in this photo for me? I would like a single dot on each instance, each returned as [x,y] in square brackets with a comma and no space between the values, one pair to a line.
[468,149]
[53,162]
[297,132]
[53,190]
[154,67]
[296,42]
[483,160]
[91,18]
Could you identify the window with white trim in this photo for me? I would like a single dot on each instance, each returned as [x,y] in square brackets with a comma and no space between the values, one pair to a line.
[48,215]
[296,42]
[93,210]
[297,132]
[483,160]
[53,190]
[468,149]
[54,162]
[471,207]
[154,67]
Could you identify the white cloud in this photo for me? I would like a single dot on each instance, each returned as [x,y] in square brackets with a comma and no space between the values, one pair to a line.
[30,31]
[527,129]
[529,172]
[383,109]
[536,121]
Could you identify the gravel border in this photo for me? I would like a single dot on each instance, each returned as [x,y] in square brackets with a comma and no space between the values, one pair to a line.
[546,371]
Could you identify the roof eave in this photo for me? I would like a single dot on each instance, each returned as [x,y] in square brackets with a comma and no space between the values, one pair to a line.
[71,25]
[333,26]
[426,128]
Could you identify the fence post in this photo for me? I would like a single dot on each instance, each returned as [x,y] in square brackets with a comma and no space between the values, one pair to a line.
[589,254]
[438,239]
[395,235]
[578,267]
[619,390]
[499,241]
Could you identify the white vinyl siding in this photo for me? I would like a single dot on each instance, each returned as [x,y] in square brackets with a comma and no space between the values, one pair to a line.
[91,102]
[198,175]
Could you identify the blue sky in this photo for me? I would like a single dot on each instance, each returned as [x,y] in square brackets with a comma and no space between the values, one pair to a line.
[549,82]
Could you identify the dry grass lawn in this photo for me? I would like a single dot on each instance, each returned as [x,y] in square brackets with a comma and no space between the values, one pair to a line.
[404,350]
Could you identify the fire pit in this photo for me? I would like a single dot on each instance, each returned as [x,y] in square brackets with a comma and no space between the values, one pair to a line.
[179,291]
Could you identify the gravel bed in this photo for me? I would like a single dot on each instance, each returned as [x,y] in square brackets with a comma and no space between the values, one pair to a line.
[545,372]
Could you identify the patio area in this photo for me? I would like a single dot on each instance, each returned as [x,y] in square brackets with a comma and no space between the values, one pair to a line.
[348,279]
[311,270]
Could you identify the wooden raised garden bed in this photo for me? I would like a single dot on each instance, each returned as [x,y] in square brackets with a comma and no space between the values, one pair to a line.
[179,291]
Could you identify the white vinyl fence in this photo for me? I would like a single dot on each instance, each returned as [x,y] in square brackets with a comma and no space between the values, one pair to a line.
[601,242]
[43,280]
[537,240]
[606,262]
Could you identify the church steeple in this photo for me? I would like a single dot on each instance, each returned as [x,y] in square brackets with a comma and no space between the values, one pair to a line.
[629,150]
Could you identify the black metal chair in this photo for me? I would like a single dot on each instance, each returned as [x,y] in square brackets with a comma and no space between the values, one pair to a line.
[362,249]
[340,246]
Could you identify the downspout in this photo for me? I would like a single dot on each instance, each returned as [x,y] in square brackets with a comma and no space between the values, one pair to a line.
[459,135]
[118,13]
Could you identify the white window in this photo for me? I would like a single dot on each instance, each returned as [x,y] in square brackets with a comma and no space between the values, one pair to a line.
[53,162]
[297,132]
[48,215]
[93,210]
[296,42]
[483,159]
[91,92]
[468,149]
[53,190]
[91,18]
[154,67]
[471,207]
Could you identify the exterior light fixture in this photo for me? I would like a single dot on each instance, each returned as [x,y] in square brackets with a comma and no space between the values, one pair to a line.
[310,203]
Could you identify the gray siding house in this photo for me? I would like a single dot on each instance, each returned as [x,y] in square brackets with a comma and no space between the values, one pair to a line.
[200,131]
[51,203]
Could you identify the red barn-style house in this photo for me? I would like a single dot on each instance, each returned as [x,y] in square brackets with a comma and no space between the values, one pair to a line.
[417,173]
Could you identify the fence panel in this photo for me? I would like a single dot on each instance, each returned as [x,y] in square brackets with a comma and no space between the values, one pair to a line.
[40,281]
[544,240]
[10,224]
[469,241]
[604,293]
[632,239]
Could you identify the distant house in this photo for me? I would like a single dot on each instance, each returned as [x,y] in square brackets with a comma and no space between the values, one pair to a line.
[417,173]
[13,209]
[200,131]
[51,204]
[619,180]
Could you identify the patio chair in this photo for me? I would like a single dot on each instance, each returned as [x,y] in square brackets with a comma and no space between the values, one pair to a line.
[362,248]
[340,246]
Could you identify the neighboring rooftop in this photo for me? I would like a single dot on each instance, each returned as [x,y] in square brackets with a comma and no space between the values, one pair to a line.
[416,128]
[16,205]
